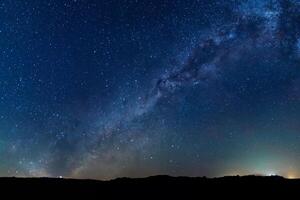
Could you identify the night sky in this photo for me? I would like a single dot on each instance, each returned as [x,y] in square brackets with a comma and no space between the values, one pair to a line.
[104,89]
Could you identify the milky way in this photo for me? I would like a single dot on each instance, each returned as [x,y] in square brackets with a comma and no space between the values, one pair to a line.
[138,88]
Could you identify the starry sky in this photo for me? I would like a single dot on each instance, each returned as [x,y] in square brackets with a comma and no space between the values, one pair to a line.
[107,89]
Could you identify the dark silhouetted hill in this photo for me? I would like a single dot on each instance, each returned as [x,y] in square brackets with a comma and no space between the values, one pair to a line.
[153,187]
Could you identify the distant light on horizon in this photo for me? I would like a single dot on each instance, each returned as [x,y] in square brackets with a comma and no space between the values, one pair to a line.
[292,176]
[272,174]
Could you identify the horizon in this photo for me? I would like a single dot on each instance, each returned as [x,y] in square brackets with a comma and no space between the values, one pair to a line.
[151,176]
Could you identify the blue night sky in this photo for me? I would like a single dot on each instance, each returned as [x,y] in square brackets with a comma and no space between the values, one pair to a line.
[104,89]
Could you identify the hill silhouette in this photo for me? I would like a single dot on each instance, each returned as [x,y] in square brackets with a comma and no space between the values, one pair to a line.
[152,186]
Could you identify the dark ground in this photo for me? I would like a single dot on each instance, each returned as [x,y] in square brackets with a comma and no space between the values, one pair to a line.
[157,186]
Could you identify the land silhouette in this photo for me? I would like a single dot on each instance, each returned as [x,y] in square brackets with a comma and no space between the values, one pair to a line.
[152,187]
